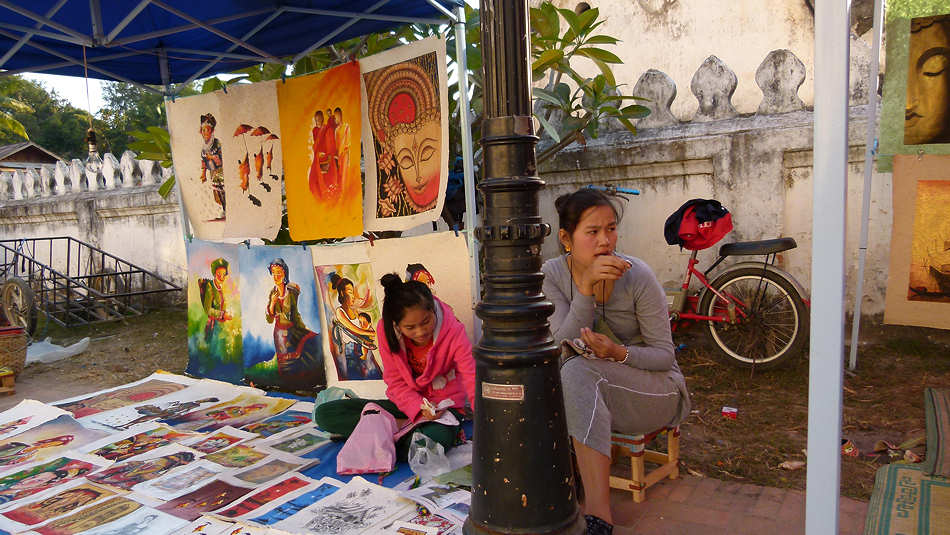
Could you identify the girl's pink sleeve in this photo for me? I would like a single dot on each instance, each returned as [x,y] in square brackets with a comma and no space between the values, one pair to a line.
[404,395]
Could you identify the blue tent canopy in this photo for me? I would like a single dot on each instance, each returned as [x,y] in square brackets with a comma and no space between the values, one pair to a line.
[158,42]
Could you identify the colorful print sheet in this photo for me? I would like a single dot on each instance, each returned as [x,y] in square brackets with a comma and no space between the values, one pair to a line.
[275,491]
[405,135]
[319,115]
[116,399]
[71,497]
[282,346]
[242,410]
[214,312]
[214,495]
[27,414]
[39,477]
[45,441]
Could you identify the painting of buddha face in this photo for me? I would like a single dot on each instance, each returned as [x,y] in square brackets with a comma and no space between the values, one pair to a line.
[403,108]
[927,112]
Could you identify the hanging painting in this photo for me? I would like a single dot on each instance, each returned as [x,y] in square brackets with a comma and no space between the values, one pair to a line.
[18,484]
[405,135]
[45,441]
[915,108]
[319,116]
[918,282]
[214,312]
[282,345]
[195,136]
[253,167]
[242,410]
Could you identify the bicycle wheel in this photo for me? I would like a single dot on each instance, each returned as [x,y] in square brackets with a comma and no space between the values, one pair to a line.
[771,318]
[16,300]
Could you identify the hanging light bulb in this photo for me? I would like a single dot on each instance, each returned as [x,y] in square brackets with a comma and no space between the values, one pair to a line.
[93,162]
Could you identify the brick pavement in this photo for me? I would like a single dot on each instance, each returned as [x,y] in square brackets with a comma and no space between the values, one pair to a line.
[701,506]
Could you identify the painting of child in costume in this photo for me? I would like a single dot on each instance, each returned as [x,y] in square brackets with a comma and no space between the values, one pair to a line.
[282,346]
[41,477]
[351,311]
[211,162]
[214,312]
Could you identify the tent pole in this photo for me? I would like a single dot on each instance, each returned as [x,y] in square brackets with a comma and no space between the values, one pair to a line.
[826,362]
[465,119]
[163,69]
[869,150]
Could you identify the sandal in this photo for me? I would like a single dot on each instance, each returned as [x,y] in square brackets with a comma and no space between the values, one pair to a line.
[848,448]
[598,526]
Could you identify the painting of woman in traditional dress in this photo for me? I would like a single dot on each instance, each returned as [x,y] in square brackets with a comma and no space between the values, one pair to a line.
[352,321]
[127,475]
[41,477]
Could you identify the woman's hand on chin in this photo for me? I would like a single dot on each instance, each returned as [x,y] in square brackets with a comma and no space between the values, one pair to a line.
[602,346]
[603,267]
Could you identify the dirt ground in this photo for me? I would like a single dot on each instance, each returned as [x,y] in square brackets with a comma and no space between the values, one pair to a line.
[883,398]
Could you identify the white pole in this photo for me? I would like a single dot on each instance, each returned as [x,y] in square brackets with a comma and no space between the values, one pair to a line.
[869,150]
[467,158]
[826,362]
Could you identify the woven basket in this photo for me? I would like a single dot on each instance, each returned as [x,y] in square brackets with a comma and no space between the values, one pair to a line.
[13,342]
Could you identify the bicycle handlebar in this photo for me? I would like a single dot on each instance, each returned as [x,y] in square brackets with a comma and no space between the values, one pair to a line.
[613,190]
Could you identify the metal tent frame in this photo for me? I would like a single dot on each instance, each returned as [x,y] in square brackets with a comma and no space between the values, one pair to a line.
[41,44]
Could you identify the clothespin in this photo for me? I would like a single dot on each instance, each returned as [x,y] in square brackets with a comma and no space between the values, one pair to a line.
[455,228]
[224,87]
[173,95]
[920,154]
[369,236]
[247,243]
[190,237]
[303,246]
[283,76]
[874,147]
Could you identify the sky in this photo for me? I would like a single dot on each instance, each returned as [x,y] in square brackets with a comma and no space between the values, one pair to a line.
[73,89]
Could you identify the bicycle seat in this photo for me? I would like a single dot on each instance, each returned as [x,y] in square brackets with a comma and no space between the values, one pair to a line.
[762,247]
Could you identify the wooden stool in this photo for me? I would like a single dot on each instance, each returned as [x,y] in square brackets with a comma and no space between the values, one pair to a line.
[634,447]
[7,381]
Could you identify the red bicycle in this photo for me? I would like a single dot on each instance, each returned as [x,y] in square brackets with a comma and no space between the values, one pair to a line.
[755,313]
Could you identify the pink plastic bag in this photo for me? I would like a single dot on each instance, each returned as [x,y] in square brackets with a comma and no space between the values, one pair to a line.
[370,448]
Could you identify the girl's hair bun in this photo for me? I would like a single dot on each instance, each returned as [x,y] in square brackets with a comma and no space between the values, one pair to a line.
[390,281]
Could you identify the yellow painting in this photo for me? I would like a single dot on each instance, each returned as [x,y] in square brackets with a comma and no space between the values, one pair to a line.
[930,250]
[320,122]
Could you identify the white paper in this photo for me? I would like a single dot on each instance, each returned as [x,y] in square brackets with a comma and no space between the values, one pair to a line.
[142,521]
[297,441]
[182,402]
[218,440]
[179,482]
[206,525]
[10,525]
[268,509]
[26,415]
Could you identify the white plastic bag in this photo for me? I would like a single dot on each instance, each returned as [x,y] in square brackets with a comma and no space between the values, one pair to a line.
[427,457]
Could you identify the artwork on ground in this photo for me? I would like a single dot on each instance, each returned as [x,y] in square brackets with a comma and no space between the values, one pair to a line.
[139,443]
[356,508]
[267,470]
[264,497]
[352,312]
[91,517]
[27,414]
[441,524]
[45,441]
[157,463]
[223,438]
[122,397]
[142,521]
[239,456]
[179,482]
[927,114]
[281,319]
[918,281]
[282,422]
[214,495]
[214,312]
[253,164]
[294,506]
[240,411]
[300,443]
[207,525]
[196,135]
[320,121]
[75,495]
[42,477]
[170,406]
[406,135]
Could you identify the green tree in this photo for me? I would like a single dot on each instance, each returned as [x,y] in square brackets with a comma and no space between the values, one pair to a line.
[49,120]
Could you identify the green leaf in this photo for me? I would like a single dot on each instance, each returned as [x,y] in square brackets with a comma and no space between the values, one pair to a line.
[599,53]
[570,17]
[606,71]
[7,122]
[546,59]
[601,40]
[628,125]
[610,110]
[550,14]
[548,96]
[581,25]
[635,111]
[541,25]
[15,105]
[563,92]
[166,188]
[211,84]
[549,128]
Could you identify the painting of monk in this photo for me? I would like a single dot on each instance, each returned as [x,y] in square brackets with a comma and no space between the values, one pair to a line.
[320,125]
[406,106]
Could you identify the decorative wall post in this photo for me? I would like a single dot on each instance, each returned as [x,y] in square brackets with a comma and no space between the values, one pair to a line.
[522,472]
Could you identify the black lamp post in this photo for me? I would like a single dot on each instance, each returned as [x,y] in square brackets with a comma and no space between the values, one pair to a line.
[523,479]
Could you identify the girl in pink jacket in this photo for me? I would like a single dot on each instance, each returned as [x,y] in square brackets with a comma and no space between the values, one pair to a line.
[427,364]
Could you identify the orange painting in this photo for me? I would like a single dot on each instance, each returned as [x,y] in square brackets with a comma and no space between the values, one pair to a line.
[930,250]
[320,122]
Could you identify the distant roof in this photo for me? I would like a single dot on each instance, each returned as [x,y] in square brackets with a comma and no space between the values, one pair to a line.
[9,150]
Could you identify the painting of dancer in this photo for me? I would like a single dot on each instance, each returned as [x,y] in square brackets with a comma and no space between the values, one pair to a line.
[320,122]
[352,312]
[282,344]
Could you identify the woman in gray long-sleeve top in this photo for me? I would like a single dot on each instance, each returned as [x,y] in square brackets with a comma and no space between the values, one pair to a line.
[614,303]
